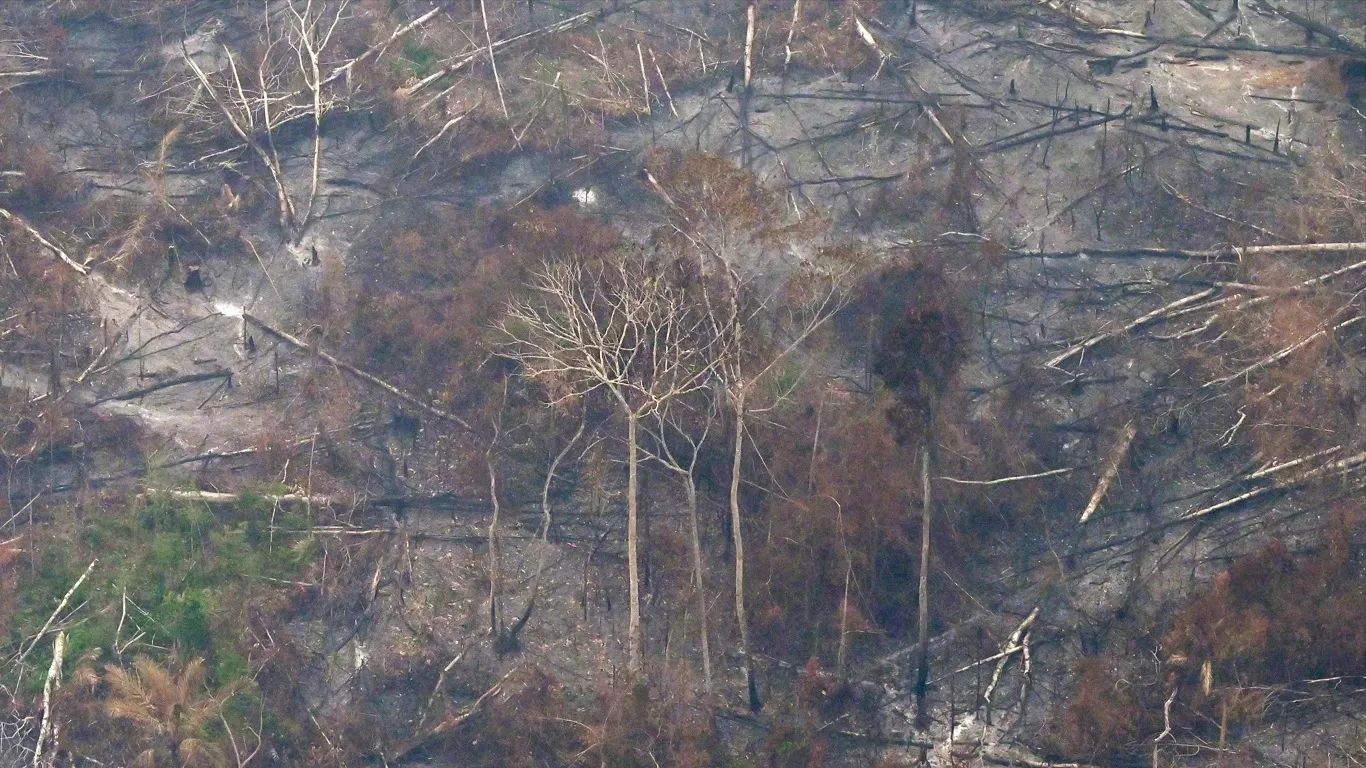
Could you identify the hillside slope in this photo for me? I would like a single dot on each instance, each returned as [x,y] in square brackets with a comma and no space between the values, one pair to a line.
[1030,329]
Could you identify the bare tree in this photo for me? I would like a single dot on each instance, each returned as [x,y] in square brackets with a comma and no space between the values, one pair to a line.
[495,564]
[505,633]
[762,299]
[543,543]
[759,332]
[682,461]
[922,674]
[286,83]
[622,328]
[17,732]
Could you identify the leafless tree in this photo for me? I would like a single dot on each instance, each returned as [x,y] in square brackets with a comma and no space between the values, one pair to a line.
[759,331]
[285,84]
[677,450]
[16,739]
[764,294]
[623,328]
[922,674]
[495,564]
[543,537]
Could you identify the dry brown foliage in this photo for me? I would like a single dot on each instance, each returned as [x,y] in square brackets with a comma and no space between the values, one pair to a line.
[1308,398]
[425,320]
[171,711]
[1104,717]
[845,504]
[1276,618]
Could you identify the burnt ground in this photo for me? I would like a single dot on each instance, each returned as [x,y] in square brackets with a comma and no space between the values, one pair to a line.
[1083,131]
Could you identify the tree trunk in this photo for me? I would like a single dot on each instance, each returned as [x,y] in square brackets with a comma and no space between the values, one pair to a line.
[544,537]
[48,729]
[495,559]
[633,664]
[922,676]
[700,584]
[738,544]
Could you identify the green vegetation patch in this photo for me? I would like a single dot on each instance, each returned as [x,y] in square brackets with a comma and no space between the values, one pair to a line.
[172,578]
[419,60]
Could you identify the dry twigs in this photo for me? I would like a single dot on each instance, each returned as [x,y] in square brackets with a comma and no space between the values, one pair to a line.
[1209,298]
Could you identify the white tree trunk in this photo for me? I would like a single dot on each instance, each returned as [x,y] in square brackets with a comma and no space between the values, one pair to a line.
[699,583]
[738,542]
[633,632]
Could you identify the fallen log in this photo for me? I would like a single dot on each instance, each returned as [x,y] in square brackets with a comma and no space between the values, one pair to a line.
[48,730]
[1012,646]
[368,378]
[1284,353]
[189,378]
[1111,471]
[451,722]
[43,73]
[1004,480]
[1161,313]
[1228,253]
[18,658]
[375,50]
[22,224]
[224,499]
[1210,298]
[1342,467]
[1338,39]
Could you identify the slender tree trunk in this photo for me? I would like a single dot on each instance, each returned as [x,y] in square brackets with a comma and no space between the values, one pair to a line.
[699,583]
[495,555]
[738,544]
[317,141]
[747,94]
[844,619]
[922,676]
[544,536]
[633,664]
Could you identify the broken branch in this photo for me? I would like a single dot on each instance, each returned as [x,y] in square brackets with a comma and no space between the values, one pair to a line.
[56,250]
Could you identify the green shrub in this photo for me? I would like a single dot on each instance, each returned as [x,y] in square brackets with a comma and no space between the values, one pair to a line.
[173,574]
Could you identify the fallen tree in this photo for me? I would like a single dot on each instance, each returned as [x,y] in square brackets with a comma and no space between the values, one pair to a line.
[368,378]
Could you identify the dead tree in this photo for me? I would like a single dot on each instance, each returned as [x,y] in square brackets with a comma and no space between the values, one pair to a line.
[740,313]
[682,461]
[495,565]
[256,100]
[621,328]
[761,306]
[510,633]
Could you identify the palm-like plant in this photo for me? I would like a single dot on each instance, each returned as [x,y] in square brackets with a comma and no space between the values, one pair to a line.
[173,712]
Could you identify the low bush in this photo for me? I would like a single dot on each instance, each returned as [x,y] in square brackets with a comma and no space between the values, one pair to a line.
[1271,623]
